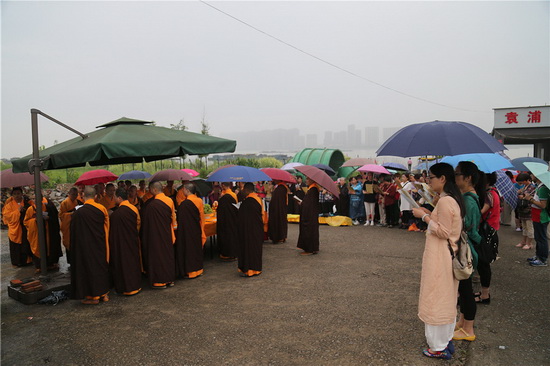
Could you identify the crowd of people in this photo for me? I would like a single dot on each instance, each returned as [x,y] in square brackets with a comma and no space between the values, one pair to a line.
[115,234]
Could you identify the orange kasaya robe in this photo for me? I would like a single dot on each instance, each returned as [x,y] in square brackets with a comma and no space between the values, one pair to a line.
[32,228]
[169,191]
[264,213]
[180,197]
[170,203]
[147,195]
[107,202]
[141,193]
[229,192]
[11,214]
[66,210]
[200,206]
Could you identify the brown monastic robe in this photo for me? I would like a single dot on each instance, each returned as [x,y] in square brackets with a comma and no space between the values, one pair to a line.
[190,238]
[157,238]
[66,210]
[278,223]
[227,225]
[90,251]
[251,235]
[308,239]
[125,262]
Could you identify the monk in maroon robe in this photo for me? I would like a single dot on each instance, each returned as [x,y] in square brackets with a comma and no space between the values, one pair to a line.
[125,261]
[227,224]
[190,236]
[278,223]
[90,251]
[251,233]
[158,238]
[308,238]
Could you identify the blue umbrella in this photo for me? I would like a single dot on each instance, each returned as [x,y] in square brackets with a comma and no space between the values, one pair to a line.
[507,189]
[325,168]
[518,163]
[439,138]
[422,166]
[134,174]
[487,163]
[238,173]
[395,166]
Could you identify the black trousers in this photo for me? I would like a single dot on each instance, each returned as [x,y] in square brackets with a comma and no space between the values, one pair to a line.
[484,270]
[466,299]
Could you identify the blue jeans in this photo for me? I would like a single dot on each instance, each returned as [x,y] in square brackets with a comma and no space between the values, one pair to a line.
[355,209]
[541,240]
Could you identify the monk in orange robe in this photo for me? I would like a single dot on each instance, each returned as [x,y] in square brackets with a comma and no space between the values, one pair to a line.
[133,197]
[124,246]
[227,224]
[108,200]
[278,223]
[52,233]
[180,196]
[169,190]
[190,237]
[158,238]
[90,280]
[13,214]
[251,233]
[308,237]
[142,190]
[65,213]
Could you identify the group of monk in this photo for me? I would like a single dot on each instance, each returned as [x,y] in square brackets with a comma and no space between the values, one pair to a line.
[114,235]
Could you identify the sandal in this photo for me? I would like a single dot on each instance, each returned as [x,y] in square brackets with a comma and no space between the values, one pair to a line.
[466,337]
[527,247]
[479,300]
[445,354]
[519,245]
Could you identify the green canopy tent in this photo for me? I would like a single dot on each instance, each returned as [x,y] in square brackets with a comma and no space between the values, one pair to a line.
[123,141]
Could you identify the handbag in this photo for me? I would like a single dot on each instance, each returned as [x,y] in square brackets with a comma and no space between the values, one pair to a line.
[463,266]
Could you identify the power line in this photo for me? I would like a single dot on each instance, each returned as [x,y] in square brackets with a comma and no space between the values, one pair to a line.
[336,66]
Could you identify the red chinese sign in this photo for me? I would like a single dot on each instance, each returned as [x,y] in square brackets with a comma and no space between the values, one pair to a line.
[533,117]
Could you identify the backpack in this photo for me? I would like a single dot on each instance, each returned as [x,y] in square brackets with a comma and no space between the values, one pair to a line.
[487,249]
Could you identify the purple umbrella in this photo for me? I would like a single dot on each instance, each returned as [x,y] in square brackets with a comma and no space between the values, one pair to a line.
[439,138]
[395,166]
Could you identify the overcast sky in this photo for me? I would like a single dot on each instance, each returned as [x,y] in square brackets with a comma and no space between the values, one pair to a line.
[87,63]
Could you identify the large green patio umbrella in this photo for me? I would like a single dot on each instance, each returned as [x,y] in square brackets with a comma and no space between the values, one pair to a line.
[124,141]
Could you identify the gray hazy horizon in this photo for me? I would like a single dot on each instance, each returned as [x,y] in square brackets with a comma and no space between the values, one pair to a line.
[87,63]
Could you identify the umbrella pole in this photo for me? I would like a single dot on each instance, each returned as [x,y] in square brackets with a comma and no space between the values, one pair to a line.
[38,194]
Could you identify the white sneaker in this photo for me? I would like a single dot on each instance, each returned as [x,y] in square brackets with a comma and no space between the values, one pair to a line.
[355,222]
[518,229]
[366,223]
[372,223]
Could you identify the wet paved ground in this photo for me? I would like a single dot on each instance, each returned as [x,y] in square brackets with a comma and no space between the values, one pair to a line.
[354,303]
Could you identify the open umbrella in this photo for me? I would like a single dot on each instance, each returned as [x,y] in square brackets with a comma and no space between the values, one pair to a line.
[325,168]
[291,166]
[134,174]
[95,177]
[191,172]
[279,174]
[170,174]
[319,177]
[358,162]
[519,163]
[373,168]
[9,179]
[238,173]
[540,171]
[507,189]
[439,138]
[127,140]
[395,166]
[422,166]
[487,163]
[221,167]
[203,187]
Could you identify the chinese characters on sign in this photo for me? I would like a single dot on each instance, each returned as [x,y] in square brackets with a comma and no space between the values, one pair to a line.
[533,117]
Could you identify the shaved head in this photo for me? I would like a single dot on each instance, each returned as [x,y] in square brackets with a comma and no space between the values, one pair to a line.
[155,188]
[89,192]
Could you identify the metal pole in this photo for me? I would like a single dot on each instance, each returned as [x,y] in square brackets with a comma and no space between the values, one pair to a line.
[38,193]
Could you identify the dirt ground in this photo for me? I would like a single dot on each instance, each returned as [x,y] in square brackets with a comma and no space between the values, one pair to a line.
[355,303]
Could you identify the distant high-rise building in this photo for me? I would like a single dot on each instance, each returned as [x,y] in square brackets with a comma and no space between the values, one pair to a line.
[353,137]
[311,140]
[372,137]
[328,139]
[340,140]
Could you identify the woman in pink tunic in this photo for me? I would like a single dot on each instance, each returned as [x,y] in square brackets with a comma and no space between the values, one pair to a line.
[438,287]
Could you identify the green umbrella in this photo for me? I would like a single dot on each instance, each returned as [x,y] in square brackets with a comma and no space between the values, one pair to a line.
[540,171]
[126,140]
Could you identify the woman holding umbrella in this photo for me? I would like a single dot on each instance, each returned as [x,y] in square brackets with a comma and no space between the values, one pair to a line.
[438,287]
